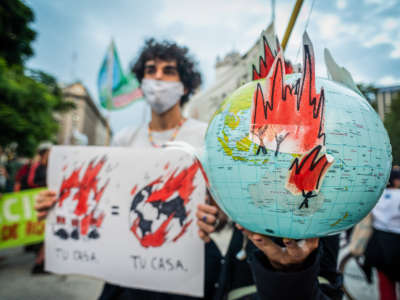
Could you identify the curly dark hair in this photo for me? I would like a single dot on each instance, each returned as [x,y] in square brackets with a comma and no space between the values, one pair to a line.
[168,50]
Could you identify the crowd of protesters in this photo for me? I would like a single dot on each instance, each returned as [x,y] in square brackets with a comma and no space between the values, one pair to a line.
[24,174]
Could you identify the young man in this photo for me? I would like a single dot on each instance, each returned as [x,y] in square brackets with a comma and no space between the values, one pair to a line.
[168,77]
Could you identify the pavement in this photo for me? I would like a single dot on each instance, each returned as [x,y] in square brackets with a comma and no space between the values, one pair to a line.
[17,283]
[355,282]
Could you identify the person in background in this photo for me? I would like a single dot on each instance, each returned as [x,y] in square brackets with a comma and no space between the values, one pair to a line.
[9,166]
[3,179]
[383,249]
[37,178]
[21,179]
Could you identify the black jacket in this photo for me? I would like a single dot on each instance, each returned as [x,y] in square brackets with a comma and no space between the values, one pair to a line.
[317,279]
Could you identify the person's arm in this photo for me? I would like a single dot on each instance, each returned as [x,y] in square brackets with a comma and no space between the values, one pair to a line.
[298,283]
[289,272]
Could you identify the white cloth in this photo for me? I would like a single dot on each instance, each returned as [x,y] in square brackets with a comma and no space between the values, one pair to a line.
[191,132]
[386,213]
[223,238]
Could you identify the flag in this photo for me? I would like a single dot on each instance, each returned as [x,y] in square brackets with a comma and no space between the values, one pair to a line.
[116,90]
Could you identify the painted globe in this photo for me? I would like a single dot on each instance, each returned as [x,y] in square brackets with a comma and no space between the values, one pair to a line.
[296,156]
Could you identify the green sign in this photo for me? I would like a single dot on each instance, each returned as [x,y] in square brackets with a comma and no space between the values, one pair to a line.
[18,223]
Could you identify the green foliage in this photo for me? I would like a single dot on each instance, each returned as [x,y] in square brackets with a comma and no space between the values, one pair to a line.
[15,34]
[369,92]
[392,124]
[28,98]
[27,106]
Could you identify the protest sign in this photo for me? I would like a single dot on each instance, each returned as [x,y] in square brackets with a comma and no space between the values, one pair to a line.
[127,216]
[18,223]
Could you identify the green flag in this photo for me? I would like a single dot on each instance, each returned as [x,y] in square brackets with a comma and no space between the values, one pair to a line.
[116,89]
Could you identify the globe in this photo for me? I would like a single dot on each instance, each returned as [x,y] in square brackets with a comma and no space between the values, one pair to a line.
[297,177]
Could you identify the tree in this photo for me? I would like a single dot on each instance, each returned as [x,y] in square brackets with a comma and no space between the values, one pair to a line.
[28,98]
[369,92]
[392,124]
[15,34]
[27,106]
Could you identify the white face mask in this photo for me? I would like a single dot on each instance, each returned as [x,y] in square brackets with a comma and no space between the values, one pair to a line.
[162,95]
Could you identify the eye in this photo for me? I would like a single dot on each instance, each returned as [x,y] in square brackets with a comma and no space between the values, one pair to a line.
[170,71]
[150,70]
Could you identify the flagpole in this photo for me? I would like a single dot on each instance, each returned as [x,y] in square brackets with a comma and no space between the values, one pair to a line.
[110,74]
[291,23]
[110,70]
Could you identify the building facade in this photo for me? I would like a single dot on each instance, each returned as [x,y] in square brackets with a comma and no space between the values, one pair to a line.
[84,124]
[231,72]
[384,97]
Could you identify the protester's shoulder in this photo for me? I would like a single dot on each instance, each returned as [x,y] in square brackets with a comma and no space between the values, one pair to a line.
[125,136]
[196,126]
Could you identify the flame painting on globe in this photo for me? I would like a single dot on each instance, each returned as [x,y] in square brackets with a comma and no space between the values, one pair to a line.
[294,155]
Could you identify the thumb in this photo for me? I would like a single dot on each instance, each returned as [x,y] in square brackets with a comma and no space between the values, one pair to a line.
[292,247]
[311,244]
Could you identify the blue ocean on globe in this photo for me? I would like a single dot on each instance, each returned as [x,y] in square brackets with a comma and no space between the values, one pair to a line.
[251,185]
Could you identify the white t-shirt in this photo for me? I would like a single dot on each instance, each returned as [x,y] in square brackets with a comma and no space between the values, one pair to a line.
[191,132]
[386,213]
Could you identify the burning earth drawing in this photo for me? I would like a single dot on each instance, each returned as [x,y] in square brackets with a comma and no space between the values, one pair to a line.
[295,155]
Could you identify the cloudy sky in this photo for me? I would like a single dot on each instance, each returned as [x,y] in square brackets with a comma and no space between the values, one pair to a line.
[363,35]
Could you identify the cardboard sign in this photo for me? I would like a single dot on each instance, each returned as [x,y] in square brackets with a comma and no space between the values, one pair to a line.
[18,223]
[127,216]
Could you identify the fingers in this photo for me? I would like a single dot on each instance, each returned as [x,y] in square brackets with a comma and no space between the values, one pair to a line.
[311,244]
[44,201]
[209,209]
[45,196]
[294,253]
[41,215]
[297,252]
[263,242]
[206,218]
[205,237]
[207,228]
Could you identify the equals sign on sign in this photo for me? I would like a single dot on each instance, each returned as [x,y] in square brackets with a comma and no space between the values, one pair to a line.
[115,210]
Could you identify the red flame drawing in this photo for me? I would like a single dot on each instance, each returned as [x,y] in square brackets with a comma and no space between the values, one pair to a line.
[289,118]
[171,200]
[84,186]
[307,174]
[265,62]
[181,183]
